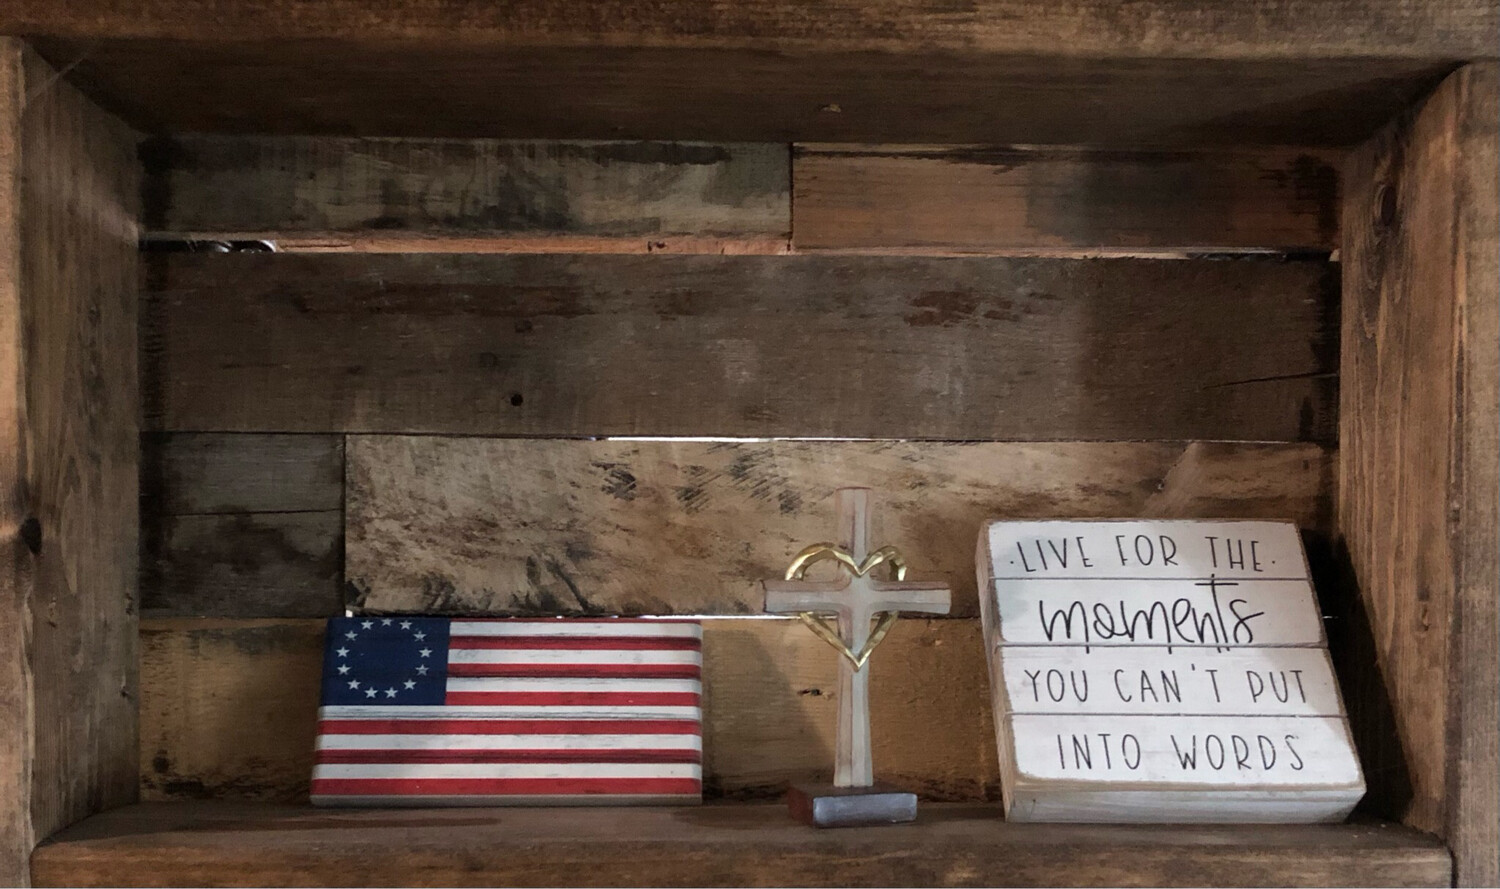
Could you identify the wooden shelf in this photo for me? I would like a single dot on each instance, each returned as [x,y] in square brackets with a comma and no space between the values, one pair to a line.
[217,843]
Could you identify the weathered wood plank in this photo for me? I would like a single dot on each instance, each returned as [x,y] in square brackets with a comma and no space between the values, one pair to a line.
[16,833]
[1442,30]
[725,845]
[827,92]
[191,474]
[68,457]
[976,199]
[597,527]
[878,347]
[228,708]
[1418,496]
[242,525]
[634,196]
[1474,762]
[249,564]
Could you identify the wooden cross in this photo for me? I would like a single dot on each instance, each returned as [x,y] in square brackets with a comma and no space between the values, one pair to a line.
[857,599]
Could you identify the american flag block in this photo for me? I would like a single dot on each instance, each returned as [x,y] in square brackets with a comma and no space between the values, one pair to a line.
[438,711]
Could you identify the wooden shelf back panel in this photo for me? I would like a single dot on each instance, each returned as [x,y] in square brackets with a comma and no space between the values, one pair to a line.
[976,199]
[879,347]
[229,708]
[334,193]
[338,194]
[950,845]
[506,526]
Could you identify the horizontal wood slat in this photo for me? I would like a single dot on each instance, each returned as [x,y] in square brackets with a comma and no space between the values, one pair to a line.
[599,527]
[242,525]
[976,199]
[939,348]
[228,708]
[330,193]
[192,474]
[247,844]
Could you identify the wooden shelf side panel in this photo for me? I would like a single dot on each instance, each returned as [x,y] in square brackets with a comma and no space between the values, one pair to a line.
[69,444]
[1418,481]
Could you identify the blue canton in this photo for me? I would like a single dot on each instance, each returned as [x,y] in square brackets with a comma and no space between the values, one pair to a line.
[385,661]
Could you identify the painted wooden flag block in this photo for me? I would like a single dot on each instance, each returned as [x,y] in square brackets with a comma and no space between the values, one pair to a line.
[1162,671]
[432,712]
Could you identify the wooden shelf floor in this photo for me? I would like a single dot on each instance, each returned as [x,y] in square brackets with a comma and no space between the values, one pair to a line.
[247,844]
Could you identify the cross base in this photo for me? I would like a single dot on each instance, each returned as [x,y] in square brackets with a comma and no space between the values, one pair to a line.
[824,805]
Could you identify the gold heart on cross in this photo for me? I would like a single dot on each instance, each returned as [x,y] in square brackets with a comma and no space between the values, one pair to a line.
[886,555]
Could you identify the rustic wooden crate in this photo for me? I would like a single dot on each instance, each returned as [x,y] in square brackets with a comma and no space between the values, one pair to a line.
[1058,259]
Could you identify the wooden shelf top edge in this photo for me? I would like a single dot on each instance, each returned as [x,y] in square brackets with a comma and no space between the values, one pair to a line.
[1441,29]
[227,843]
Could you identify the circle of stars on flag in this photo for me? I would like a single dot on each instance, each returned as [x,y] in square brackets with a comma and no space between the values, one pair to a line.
[348,646]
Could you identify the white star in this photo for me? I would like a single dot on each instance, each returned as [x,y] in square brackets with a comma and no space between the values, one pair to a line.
[406,625]
[366,624]
[369,692]
[422,670]
[425,652]
[409,685]
[354,683]
[390,692]
[343,652]
[351,635]
[343,668]
[385,622]
[420,635]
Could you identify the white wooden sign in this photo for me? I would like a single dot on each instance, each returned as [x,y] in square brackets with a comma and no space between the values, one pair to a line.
[1161,671]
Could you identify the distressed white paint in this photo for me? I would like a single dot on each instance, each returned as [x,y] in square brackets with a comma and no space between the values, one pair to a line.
[1160,671]
[1150,681]
[855,600]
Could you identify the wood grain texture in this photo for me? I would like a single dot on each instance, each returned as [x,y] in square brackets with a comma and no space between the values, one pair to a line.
[879,347]
[228,708]
[610,89]
[195,474]
[442,525]
[16,834]
[640,196]
[261,564]
[977,199]
[1447,29]
[68,453]
[1418,483]
[726,845]
[242,525]
[1474,762]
